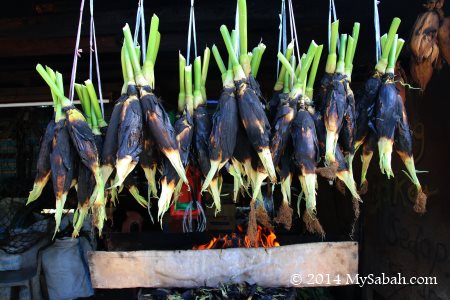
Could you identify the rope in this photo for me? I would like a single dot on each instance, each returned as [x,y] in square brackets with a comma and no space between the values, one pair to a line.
[194,31]
[284,28]
[282,33]
[140,23]
[334,11]
[191,33]
[329,24]
[92,38]
[294,37]
[331,18]
[293,28]
[76,54]
[99,81]
[187,218]
[143,35]
[293,68]
[377,29]
[91,31]
[189,38]
[236,28]
[201,218]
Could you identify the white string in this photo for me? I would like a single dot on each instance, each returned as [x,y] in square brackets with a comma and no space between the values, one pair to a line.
[138,24]
[332,13]
[290,21]
[279,39]
[97,65]
[329,24]
[236,29]
[143,36]
[292,25]
[284,28]
[282,32]
[334,19]
[189,38]
[91,31]
[293,68]
[293,28]
[377,29]
[191,28]
[95,50]
[76,54]
[194,31]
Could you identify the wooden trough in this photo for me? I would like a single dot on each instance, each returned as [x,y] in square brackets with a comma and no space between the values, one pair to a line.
[300,265]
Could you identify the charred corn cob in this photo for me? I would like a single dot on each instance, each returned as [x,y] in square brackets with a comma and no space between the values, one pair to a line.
[155,115]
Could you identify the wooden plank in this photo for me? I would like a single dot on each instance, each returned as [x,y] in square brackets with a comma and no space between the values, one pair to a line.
[38,94]
[272,267]
[18,46]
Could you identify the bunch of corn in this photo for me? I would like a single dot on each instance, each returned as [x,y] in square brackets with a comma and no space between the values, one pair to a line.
[294,120]
[337,106]
[69,152]
[383,119]
[306,129]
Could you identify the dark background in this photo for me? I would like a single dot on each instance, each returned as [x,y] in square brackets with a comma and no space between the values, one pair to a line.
[393,238]
[44,32]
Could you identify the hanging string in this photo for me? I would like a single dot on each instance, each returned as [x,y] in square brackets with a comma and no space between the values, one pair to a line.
[236,29]
[189,38]
[194,31]
[290,22]
[91,31]
[191,33]
[334,11]
[76,54]
[335,19]
[93,49]
[293,28]
[332,17]
[280,37]
[284,28]
[293,68]
[143,35]
[377,29]
[329,24]
[140,24]
[294,37]
[282,32]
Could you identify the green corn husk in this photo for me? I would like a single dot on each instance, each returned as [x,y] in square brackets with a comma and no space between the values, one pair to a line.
[205,67]
[382,63]
[340,68]
[332,57]
[313,73]
[182,94]
[280,81]
[94,101]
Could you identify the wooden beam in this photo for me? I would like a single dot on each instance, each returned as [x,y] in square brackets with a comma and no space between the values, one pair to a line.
[38,94]
[18,46]
[270,267]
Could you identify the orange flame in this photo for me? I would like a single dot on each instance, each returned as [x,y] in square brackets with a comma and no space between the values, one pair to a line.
[265,238]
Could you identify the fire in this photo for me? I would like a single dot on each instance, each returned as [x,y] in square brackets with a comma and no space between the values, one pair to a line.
[265,238]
